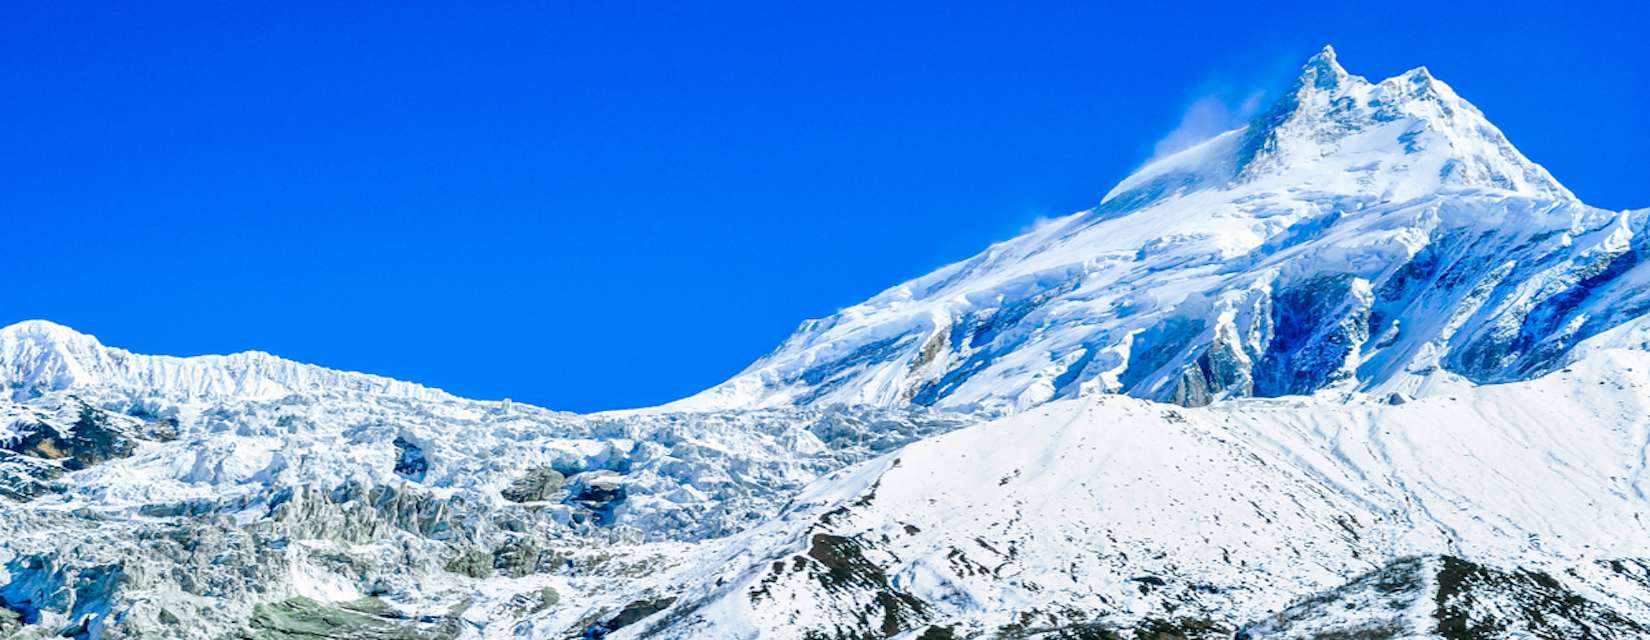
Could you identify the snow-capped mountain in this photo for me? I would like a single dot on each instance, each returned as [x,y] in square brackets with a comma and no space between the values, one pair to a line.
[1370,236]
[1356,370]
[41,357]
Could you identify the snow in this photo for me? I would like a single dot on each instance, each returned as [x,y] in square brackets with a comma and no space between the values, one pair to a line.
[42,356]
[1341,176]
[1358,336]
[284,474]
[1252,502]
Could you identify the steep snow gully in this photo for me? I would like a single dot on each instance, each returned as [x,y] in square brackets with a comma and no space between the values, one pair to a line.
[1358,369]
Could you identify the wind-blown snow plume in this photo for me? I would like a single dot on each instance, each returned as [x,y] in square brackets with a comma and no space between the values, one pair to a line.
[1206,118]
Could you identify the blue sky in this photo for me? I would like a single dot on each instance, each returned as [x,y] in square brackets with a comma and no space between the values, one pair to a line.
[604,205]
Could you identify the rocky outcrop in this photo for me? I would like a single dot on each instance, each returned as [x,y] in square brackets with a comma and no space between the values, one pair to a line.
[89,440]
[366,619]
[475,564]
[626,616]
[409,460]
[538,484]
[1449,597]
[39,447]
[598,493]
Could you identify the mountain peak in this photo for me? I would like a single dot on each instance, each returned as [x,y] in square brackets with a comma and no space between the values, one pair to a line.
[1323,71]
[1335,133]
[1173,286]
[39,354]
[42,329]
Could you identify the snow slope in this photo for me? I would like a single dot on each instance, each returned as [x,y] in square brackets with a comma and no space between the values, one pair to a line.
[1439,252]
[1113,512]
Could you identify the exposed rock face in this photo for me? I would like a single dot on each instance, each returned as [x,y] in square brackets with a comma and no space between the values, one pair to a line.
[536,485]
[301,618]
[41,444]
[522,556]
[630,614]
[601,493]
[89,440]
[475,564]
[409,460]
[1447,597]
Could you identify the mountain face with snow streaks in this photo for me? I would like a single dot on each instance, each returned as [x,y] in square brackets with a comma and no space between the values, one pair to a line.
[1363,236]
[1358,369]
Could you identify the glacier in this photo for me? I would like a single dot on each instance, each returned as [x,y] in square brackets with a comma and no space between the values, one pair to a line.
[1357,369]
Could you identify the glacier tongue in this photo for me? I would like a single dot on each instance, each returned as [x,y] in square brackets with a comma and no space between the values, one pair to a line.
[1370,236]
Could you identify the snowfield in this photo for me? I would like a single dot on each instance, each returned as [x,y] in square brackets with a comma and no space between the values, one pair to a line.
[1358,369]
[1115,512]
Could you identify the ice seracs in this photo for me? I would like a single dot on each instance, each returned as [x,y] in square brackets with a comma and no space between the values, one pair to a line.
[155,496]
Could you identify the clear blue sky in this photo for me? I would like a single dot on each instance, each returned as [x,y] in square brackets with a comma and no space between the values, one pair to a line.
[599,205]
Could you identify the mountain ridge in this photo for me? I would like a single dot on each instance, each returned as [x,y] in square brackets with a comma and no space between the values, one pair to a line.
[1386,195]
[40,356]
